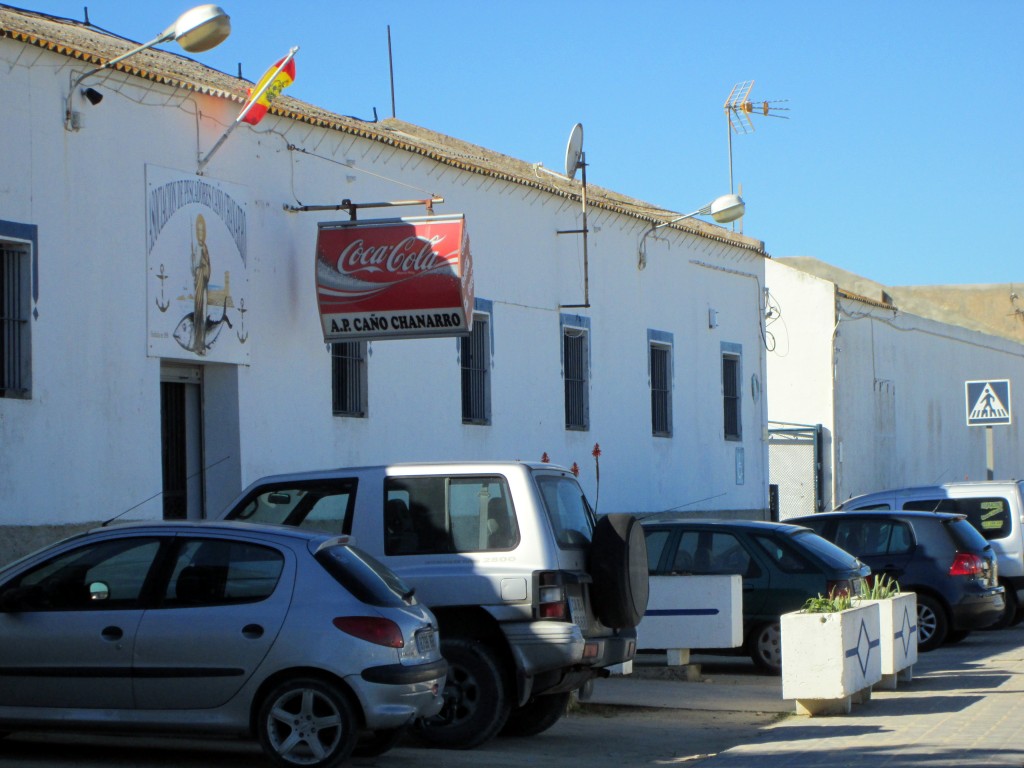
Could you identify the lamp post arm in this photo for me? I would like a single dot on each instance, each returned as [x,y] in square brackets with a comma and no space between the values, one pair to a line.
[167,35]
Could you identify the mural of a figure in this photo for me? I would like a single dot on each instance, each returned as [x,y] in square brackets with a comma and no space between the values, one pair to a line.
[201,275]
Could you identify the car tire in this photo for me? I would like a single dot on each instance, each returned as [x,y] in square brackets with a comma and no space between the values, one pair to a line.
[537,715]
[476,705]
[954,636]
[618,565]
[302,712]
[932,624]
[766,647]
[376,743]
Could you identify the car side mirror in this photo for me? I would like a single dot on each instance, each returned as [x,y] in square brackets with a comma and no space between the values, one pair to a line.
[98,590]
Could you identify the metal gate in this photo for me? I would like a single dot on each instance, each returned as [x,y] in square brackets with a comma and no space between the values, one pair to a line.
[795,469]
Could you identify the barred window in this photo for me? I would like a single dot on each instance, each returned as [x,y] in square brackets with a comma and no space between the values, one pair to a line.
[348,378]
[575,372]
[475,359]
[661,389]
[731,395]
[15,348]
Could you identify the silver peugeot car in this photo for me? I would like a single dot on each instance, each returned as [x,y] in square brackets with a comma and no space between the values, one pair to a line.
[297,639]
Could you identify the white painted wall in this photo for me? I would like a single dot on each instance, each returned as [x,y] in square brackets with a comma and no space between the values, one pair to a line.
[86,446]
[800,363]
[903,377]
[896,412]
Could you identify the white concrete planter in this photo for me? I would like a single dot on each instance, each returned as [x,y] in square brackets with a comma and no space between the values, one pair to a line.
[829,660]
[898,624]
[689,612]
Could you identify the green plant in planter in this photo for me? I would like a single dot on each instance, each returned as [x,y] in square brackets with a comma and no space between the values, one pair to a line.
[882,588]
[831,604]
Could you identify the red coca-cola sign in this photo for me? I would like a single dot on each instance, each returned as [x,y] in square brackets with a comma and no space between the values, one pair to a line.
[394,278]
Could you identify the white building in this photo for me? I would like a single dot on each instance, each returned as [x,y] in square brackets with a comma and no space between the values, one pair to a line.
[108,233]
[888,389]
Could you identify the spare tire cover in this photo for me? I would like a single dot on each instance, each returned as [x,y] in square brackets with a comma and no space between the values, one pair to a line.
[618,565]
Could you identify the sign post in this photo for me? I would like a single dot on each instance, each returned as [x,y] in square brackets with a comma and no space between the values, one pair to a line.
[988,404]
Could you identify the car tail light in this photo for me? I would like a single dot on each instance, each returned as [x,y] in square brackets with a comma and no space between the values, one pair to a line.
[965,564]
[373,629]
[841,588]
[552,602]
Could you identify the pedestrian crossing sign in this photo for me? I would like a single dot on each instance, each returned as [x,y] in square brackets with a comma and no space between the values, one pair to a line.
[988,402]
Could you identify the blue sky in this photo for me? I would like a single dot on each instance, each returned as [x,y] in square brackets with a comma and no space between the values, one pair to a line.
[898,162]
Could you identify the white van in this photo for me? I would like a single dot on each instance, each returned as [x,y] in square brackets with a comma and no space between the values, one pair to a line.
[994,507]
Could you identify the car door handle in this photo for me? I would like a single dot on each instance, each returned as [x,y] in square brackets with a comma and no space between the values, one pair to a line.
[252,631]
[112,633]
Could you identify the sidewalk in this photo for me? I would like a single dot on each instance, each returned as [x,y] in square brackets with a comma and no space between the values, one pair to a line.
[964,708]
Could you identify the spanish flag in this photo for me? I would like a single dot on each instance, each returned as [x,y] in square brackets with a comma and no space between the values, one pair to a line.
[276,79]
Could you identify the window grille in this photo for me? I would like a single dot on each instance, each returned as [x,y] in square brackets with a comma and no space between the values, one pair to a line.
[475,359]
[661,390]
[348,378]
[731,396]
[14,320]
[575,363]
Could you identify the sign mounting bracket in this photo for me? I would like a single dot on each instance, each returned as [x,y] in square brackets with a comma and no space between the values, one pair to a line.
[352,208]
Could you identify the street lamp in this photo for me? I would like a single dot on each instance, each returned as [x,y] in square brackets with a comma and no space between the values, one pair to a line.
[196,30]
[723,210]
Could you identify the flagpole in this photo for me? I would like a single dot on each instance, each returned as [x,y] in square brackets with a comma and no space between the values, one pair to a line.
[252,100]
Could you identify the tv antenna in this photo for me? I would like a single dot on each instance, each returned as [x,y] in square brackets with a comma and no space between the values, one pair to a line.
[739,108]
[576,160]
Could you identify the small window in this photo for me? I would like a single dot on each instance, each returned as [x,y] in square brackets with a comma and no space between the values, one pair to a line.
[348,378]
[365,577]
[661,389]
[989,515]
[576,377]
[656,540]
[67,582]
[867,538]
[731,395]
[15,303]
[785,555]
[711,553]
[571,516]
[475,360]
[433,515]
[318,505]
[211,572]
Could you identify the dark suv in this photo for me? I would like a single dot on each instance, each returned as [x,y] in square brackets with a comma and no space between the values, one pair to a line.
[939,556]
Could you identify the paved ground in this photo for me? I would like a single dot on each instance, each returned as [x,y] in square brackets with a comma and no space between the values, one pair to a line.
[964,708]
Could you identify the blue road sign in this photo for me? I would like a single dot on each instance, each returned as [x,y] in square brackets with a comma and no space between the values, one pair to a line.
[988,402]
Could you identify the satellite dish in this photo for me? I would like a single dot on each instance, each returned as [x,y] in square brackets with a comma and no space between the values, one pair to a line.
[574,151]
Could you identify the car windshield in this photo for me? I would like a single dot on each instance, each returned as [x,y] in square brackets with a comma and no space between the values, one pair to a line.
[366,578]
[571,516]
[825,550]
[318,505]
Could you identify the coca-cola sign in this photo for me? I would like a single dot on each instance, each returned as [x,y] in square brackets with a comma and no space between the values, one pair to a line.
[394,278]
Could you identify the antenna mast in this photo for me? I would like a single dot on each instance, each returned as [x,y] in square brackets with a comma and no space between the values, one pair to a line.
[739,108]
[391,68]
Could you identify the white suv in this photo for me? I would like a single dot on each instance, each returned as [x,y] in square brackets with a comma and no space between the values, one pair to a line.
[534,596]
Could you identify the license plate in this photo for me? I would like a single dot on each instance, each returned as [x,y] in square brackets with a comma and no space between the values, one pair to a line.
[426,641]
[578,611]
